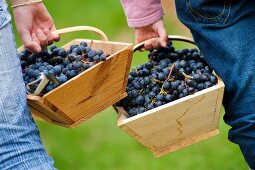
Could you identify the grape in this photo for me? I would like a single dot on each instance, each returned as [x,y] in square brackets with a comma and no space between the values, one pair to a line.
[167,85]
[78,64]
[88,49]
[84,44]
[147,80]
[82,48]
[62,52]
[79,58]
[151,85]
[213,79]
[23,64]
[96,59]
[22,56]
[183,63]
[149,65]
[150,106]
[55,52]
[140,100]
[91,54]
[73,46]
[91,64]
[85,66]
[100,52]
[52,47]
[147,99]
[159,103]
[42,68]
[72,73]
[32,58]
[62,78]
[133,73]
[102,57]
[161,76]
[180,88]
[169,98]
[200,86]
[59,60]
[141,73]
[90,60]
[198,78]
[62,63]
[49,87]
[155,89]
[159,97]
[71,57]
[152,94]
[57,70]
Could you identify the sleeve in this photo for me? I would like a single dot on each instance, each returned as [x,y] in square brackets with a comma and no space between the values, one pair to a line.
[142,13]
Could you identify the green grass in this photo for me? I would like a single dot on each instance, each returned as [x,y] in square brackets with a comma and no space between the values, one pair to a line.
[99,143]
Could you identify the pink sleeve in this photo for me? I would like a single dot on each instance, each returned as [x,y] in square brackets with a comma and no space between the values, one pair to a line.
[142,13]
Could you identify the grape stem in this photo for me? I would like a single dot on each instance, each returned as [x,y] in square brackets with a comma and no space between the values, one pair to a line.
[136,70]
[162,90]
[187,76]
[157,81]
[91,43]
[153,101]
[171,70]
[141,91]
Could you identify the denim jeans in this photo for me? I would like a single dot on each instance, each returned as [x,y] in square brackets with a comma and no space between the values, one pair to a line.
[224,30]
[20,143]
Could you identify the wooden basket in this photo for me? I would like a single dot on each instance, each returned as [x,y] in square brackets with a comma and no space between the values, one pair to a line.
[91,91]
[177,124]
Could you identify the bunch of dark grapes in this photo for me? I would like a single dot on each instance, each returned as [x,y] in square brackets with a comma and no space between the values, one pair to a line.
[169,75]
[61,63]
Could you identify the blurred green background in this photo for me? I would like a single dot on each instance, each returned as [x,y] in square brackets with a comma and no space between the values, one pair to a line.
[98,143]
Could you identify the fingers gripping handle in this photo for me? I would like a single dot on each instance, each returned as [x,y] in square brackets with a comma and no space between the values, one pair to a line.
[170,37]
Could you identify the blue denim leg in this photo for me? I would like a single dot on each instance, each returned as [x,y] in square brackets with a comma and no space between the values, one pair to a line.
[20,144]
[224,30]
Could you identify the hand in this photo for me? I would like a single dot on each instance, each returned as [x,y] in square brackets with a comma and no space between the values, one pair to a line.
[34,25]
[155,30]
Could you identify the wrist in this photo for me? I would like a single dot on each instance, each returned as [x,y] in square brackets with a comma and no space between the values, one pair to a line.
[17,3]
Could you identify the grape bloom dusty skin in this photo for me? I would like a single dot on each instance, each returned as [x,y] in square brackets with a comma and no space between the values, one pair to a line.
[61,63]
[169,74]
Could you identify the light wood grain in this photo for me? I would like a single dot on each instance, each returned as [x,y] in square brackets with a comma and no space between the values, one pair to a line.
[167,126]
[186,142]
[82,28]
[93,88]
[90,92]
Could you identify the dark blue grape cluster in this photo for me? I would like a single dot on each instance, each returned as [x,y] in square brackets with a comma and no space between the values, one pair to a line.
[58,62]
[170,74]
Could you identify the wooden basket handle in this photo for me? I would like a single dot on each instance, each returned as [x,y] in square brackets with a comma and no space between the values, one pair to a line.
[82,28]
[77,28]
[170,37]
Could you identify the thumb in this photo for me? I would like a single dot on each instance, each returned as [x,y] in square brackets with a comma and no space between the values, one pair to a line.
[163,37]
[55,36]
[159,28]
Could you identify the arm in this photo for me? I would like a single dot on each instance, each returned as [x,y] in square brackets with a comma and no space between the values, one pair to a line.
[146,17]
[34,24]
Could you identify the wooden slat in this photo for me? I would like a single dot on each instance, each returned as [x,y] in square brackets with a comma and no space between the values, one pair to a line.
[39,116]
[90,92]
[129,61]
[86,117]
[93,88]
[164,127]
[44,110]
[186,142]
